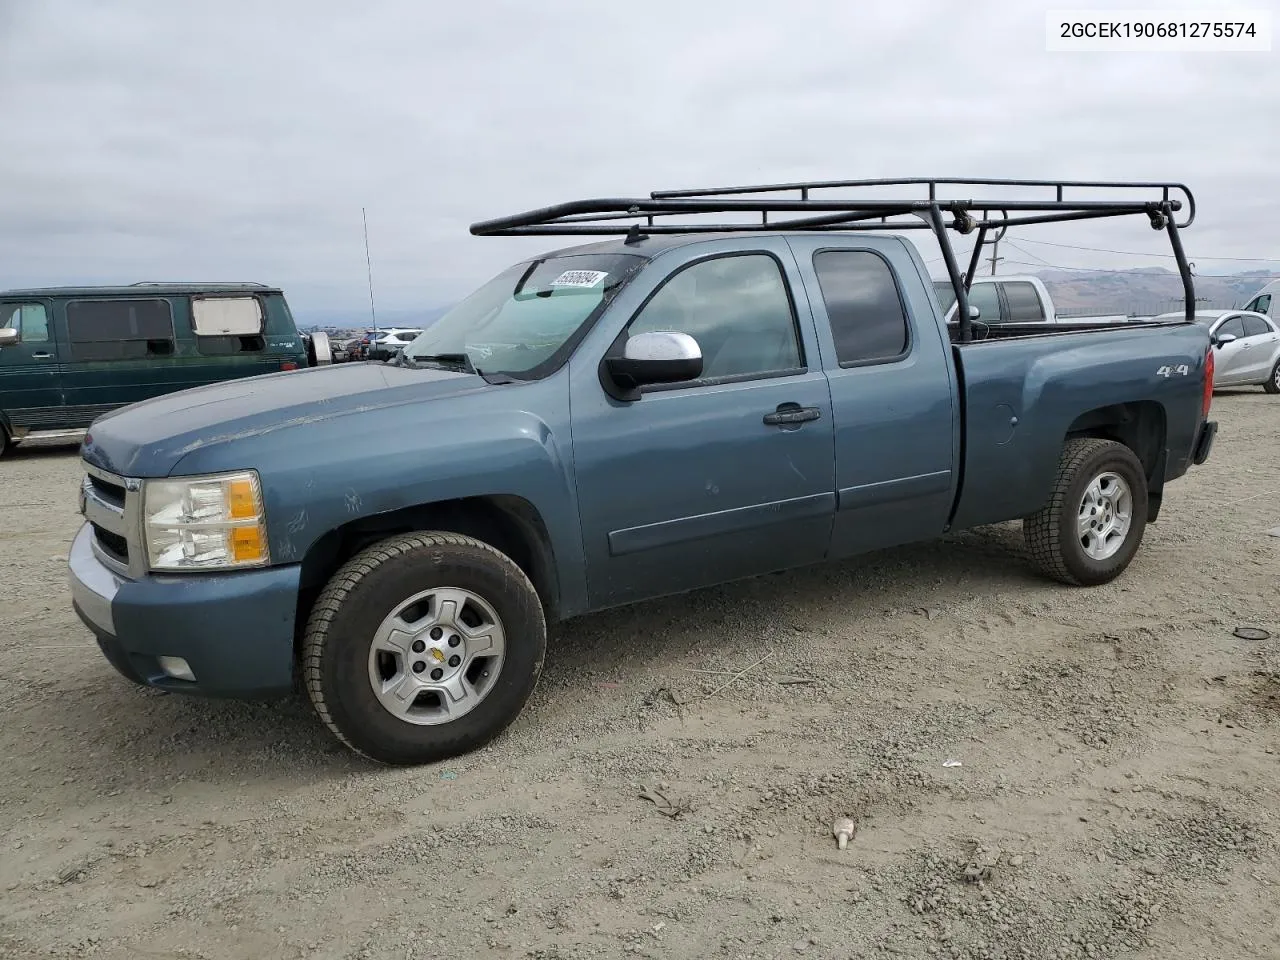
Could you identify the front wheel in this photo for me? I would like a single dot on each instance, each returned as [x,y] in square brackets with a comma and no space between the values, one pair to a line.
[423,647]
[1092,524]
[1273,382]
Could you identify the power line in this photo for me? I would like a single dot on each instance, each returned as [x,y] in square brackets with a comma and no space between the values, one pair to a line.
[1163,256]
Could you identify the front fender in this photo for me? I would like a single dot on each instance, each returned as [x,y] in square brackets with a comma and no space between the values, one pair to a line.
[322,476]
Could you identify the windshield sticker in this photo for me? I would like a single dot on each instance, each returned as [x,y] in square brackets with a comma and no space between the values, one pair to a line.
[580,278]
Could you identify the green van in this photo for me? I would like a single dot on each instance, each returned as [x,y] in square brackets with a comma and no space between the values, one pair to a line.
[70,354]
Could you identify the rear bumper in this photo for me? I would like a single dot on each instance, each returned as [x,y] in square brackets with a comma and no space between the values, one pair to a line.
[1204,442]
[234,630]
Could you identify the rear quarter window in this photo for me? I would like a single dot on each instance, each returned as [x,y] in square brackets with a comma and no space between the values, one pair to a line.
[1024,302]
[226,316]
[864,307]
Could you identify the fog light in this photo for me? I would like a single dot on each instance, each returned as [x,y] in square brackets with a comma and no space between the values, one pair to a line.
[176,667]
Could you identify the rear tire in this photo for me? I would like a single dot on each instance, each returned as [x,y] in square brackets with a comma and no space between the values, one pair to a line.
[1093,522]
[423,647]
[1273,382]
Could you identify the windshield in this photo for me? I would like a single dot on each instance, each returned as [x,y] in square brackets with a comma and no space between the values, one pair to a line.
[523,317]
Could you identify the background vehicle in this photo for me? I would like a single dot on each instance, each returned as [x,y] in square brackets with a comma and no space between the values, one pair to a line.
[1246,347]
[1266,302]
[1011,299]
[387,343]
[69,354]
[651,414]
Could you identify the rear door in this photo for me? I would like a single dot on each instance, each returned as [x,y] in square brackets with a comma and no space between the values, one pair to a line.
[30,378]
[892,391]
[1259,349]
[238,335]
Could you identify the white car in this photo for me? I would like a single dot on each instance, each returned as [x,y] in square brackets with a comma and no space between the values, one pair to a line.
[392,341]
[1246,347]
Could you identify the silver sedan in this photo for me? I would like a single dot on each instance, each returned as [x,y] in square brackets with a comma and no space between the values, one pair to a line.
[1246,347]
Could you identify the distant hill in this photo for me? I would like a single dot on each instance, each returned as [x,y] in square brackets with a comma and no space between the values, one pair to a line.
[1144,291]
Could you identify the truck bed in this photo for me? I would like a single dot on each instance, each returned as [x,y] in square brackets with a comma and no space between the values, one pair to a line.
[1025,388]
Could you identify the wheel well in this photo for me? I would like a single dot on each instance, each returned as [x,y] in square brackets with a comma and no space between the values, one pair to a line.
[1141,427]
[511,524]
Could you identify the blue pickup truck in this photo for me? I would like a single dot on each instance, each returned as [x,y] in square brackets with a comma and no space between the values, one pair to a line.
[683,405]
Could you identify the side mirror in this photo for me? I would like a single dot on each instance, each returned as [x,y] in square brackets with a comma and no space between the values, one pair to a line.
[1222,339]
[8,336]
[657,357]
[974,312]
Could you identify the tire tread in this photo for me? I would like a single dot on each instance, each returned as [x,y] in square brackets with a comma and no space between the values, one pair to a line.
[1043,529]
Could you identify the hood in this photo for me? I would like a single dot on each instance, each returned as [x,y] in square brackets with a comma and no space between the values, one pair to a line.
[148,439]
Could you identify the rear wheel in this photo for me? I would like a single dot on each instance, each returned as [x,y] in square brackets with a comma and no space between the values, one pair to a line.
[1090,528]
[1273,382]
[423,647]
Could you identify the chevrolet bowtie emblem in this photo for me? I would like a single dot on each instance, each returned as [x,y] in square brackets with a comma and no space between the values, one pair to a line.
[436,655]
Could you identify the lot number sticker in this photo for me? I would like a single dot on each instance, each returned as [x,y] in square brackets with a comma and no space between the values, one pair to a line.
[579,278]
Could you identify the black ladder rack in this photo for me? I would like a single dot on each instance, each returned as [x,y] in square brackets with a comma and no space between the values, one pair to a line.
[938,209]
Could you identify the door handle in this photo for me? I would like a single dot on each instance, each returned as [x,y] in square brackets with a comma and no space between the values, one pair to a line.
[788,413]
[42,355]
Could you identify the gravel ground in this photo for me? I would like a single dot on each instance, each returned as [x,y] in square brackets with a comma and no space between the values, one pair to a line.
[1115,795]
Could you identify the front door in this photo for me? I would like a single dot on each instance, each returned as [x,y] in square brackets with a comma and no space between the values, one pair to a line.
[30,382]
[1231,358]
[702,482]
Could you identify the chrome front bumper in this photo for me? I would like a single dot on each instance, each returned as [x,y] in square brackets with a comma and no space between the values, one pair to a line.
[93,585]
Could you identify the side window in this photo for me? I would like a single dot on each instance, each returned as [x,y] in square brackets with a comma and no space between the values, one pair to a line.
[738,310]
[31,320]
[1260,304]
[1024,302]
[226,325]
[868,322]
[1255,327]
[1233,326]
[119,329]
[985,298]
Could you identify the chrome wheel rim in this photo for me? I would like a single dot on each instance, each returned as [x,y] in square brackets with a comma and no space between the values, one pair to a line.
[1106,515]
[437,656]
[1275,376]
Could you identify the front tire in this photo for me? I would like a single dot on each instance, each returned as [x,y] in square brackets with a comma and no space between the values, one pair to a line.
[423,647]
[1273,382]
[1093,522]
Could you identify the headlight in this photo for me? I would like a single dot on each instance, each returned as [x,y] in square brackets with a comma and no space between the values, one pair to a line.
[205,523]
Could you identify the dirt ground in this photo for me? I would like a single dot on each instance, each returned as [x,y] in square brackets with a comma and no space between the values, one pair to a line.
[1116,793]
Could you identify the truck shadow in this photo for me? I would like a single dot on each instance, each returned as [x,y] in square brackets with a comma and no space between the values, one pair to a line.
[42,450]
[820,598]
[278,743]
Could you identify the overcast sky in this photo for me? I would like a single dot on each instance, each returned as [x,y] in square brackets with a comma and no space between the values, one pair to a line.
[231,140]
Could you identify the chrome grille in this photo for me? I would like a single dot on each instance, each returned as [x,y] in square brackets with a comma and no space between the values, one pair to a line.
[113,507]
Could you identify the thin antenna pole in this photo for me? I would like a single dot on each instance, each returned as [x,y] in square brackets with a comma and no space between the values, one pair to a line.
[368,262]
